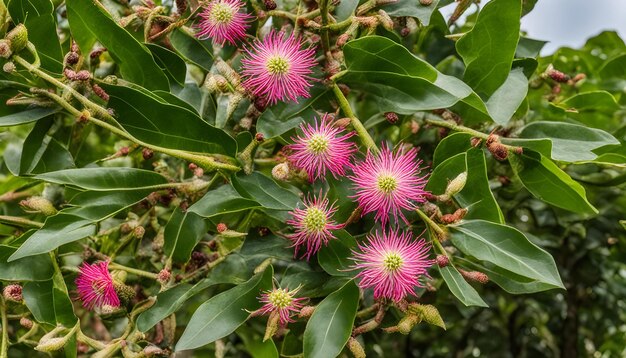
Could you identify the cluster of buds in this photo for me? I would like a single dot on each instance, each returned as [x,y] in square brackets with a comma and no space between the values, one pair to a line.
[13,293]
[79,76]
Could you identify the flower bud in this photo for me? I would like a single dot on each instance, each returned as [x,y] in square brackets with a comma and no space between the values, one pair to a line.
[426,2]
[342,39]
[442,260]
[164,276]
[26,323]
[356,348]
[8,67]
[405,325]
[269,4]
[405,31]
[5,48]
[475,276]
[39,205]
[455,217]
[99,91]
[259,137]
[221,227]
[385,20]
[51,344]
[281,172]
[18,38]
[556,75]
[391,117]
[456,185]
[306,311]
[124,292]
[13,293]
[428,313]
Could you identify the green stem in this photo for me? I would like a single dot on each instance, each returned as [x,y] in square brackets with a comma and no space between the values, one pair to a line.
[4,346]
[433,225]
[459,128]
[21,222]
[95,344]
[356,123]
[339,25]
[116,266]
[323,5]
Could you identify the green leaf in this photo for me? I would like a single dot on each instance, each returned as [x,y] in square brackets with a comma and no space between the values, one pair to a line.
[230,271]
[182,232]
[460,288]
[57,230]
[527,47]
[27,116]
[39,18]
[330,326]
[345,9]
[104,178]
[450,146]
[255,345]
[547,182]
[99,205]
[408,83]
[197,51]
[37,297]
[33,268]
[150,120]
[412,8]
[569,142]
[275,200]
[476,196]
[223,200]
[508,97]
[335,257]
[174,66]
[88,19]
[224,313]
[591,101]
[505,247]
[488,49]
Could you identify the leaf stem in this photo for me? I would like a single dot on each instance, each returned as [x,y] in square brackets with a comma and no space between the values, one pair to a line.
[433,225]
[356,123]
[459,128]
[138,272]
[323,5]
[4,346]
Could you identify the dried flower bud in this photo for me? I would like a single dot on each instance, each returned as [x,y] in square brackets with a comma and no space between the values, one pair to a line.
[269,4]
[39,204]
[221,227]
[556,75]
[147,153]
[342,39]
[26,323]
[259,137]
[385,20]
[442,260]
[391,117]
[499,151]
[475,276]
[164,276]
[281,172]
[13,293]
[306,311]
[71,58]
[455,217]
[356,348]
[99,91]
[8,67]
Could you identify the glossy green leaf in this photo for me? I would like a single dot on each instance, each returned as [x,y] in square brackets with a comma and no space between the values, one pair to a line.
[527,47]
[27,116]
[57,230]
[256,346]
[222,314]
[222,200]
[98,205]
[330,326]
[591,101]
[174,66]
[413,9]
[33,268]
[345,9]
[37,297]
[150,120]
[89,20]
[460,288]
[230,270]
[570,142]
[450,146]
[488,49]
[197,51]
[182,232]
[547,182]
[508,97]
[476,196]
[408,84]
[105,178]
[335,257]
[505,247]
[39,18]
[266,192]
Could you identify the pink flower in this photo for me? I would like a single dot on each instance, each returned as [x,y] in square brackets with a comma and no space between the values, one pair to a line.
[388,182]
[321,148]
[278,68]
[313,225]
[222,21]
[95,286]
[392,264]
[282,302]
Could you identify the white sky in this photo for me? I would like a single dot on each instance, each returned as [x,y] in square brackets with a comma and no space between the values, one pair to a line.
[569,22]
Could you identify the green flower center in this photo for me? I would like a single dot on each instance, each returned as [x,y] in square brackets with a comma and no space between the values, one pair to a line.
[222,13]
[392,261]
[317,144]
[314,219]
[280,298]
[386,183]
[277,65]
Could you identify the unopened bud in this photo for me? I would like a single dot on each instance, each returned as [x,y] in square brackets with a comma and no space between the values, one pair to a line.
[342,122]
[281,172]
[306,311]
[456,185]
[13,293]
[71,58]
[99,91]
[269,4]
[124,292]
[164,276]
[405,325]
[147,153]
[260,103]
[499,151]
[221,227]
[246,123]
[5,48]
[150,351]
[442,260]
[556,75]
[405,32]
[475,276]
[428,313]
[18,38]
[391,117]
[342,39]
[138,232]
[475,142]
[8,67]
[259,137]
[51,344]
[426,2]
[356,348]
[39,205]
[385,20]
[454,217]
[26,323]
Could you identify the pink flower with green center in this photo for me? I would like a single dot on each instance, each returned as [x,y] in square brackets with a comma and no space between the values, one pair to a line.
[281,301]
[222,21]
[95,286]
[320,148]
[392,264]
[313,225]
[278,68]
[387,183]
